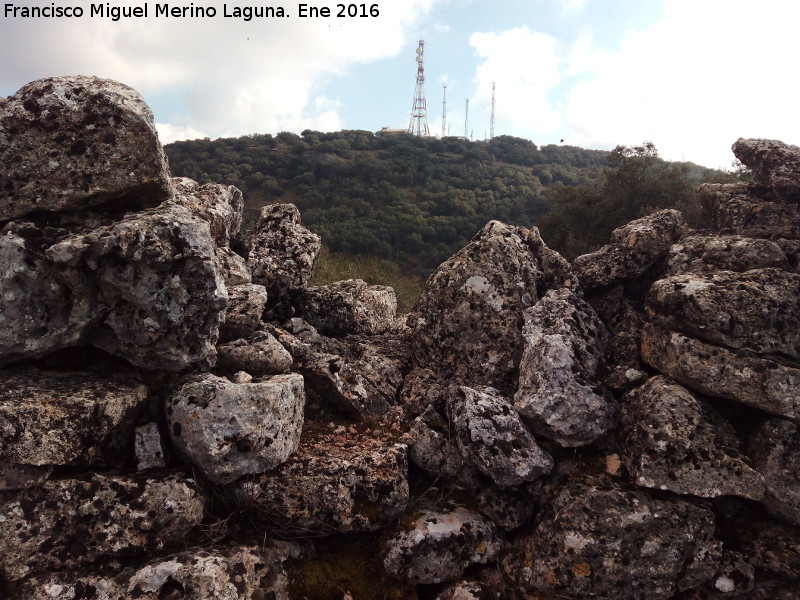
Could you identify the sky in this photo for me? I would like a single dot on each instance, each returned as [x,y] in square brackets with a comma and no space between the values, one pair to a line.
[691,76]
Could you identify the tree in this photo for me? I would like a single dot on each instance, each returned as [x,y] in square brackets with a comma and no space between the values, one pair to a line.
[634,183]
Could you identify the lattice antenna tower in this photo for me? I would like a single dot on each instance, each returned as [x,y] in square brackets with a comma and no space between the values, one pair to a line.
[491,121]
[466,120]
[444,110]
[419,116]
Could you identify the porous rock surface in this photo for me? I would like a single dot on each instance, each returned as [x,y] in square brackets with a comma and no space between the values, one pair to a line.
[281,254]
[612,542]
[246,572]
[437,546]
[222,419]
[670,440]
[559,393]
[350,306]
[492,437]
[333,483]
[467,322]
[228,430]
[67,522]
[68,143]
[633,249]
[57,418]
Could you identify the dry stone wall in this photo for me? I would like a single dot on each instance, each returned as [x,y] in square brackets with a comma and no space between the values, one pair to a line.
[181,417]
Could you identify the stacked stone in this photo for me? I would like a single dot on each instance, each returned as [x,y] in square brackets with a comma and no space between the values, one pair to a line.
[172,403]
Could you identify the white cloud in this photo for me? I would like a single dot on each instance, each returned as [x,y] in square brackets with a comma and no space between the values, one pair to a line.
[226,76]
[525,66]
[693,82]
[168,133]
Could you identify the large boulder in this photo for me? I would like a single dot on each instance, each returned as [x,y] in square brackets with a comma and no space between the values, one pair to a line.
[50,418]
[492,437]
[698,453]
[67,143]
[437,546]
[758,310]
[740,208]
[260,354]
[218,205]
[633,249]
[703,253]
[773,163]
[246,303]
[68,522]
[559,393]
[763,383]
[228,430]
[611,542]
[774,447]
[145,288]
[468,321]
[281,255]
[350,306]
[333,483]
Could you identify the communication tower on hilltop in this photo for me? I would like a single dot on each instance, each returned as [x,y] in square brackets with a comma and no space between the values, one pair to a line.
[444,110]
[491,122]
[419,116]
[466,121]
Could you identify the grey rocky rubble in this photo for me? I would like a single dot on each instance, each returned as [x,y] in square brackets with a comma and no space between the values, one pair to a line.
[621,427]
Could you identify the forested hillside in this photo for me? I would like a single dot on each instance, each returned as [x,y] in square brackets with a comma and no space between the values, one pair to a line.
[408,199]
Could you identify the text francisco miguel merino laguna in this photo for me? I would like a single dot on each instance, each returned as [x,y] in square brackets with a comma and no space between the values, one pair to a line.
[246,13]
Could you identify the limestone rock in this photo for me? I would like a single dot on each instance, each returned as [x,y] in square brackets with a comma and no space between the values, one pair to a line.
[672,441]
[437,546]
[773,163]
[144,288]
[233,267]
[559,395]
[260,354]
[758,382]
[350,306]
[735,577]
[464,590]
[423,388]
[228,430]
[433,448]
[758,310]
[149,449]
[67,143]
[703,253]
[218,205]
[333,483]
[508,508]
[52,418]
[363,378]
[467,323]
[246,304]
[610,542]
[492,437]
[238,573]
[740,208]
[775,449]
[633,248]
[282,254]
[63,523]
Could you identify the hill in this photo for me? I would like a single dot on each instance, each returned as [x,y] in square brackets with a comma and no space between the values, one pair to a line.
[408,199]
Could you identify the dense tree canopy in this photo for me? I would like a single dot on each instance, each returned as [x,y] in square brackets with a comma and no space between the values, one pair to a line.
[417,200]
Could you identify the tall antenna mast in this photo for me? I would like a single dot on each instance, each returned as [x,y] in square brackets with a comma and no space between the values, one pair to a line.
[491,122]
[419,117]
[444,110]
[466,121]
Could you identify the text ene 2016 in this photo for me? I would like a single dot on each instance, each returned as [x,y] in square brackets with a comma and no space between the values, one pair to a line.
[342,10]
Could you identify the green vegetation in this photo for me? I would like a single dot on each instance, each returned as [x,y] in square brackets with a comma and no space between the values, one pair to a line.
[634,183]
[411,202]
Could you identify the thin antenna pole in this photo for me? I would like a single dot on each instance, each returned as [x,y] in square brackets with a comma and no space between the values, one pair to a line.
[466,120]
[419,116]
[491,122]
[444,110]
